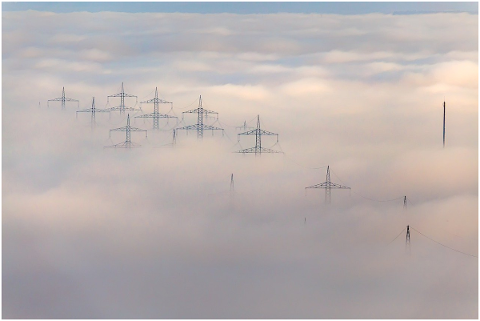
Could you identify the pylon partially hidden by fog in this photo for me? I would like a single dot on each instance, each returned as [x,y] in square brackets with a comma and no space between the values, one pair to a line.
[156,116]
[63,100]
[122,108]
[328,186]
[258,149]
[128,135]
[93,110]
[201,114]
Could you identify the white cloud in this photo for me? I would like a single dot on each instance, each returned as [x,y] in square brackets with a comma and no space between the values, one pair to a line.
[92,232]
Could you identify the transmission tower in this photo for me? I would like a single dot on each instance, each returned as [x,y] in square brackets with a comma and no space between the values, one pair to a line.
[156,115]
[63,99]
[232,185]
[405,202]
[258,149]
[244,127]
[122,108]
[200,126]
[328,186]
[128,135]
[93,110]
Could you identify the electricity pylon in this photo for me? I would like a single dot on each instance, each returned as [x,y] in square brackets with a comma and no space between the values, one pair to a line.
[128,135]
[63,99]
[155,115]
[244,127]
[200,126]
[258,149]
[328,186]
[93,111]
[405,202]
[122,108]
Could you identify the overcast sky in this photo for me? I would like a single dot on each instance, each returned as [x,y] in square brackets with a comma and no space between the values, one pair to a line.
[153,232]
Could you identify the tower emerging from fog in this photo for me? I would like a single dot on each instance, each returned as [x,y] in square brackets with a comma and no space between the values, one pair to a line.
[156,114]
[63,100]
[258,149]
[201,114]
[122,108]
[93,110]
[328,186]
[128,135]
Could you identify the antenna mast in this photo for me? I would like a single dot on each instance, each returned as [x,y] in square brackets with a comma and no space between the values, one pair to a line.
[444,124]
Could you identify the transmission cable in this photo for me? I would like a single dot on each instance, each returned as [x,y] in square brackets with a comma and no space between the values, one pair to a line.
[367,198]
[448,247]
[397,236]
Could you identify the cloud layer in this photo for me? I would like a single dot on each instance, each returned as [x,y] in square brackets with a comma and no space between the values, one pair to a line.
[153,232]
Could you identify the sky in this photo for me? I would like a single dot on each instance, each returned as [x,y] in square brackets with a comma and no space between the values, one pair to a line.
[154,231]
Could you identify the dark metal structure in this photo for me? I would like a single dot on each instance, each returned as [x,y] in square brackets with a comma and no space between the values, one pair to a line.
[156,115]
[122,108]
[258,149]
[244,127]
[328,186]
[444,124]
[93,110]
[128,135]
[63,100]
[200,126]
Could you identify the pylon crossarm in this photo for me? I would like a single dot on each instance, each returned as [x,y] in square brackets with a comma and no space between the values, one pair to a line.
[121,95]
[246,150]
[264,132]
[153,115]
[119,129]
[135,129]
[250,132]
[208,127]
[338,186]
[252,150]
[189,127]
[123,108]
[155,100]
[204,111]
[124,145]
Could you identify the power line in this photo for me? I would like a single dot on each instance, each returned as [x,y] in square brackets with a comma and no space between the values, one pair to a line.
[397,236]
[367,198]
[448,247]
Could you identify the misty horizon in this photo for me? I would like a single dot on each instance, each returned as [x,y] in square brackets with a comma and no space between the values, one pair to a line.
[161,231]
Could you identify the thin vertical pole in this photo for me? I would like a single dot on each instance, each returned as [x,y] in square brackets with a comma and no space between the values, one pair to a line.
[443,124]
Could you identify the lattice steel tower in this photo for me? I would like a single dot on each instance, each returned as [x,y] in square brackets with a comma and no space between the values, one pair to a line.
[63,99]
[200,126]
[328,186]
[93,110]
[156,115]
[128,135]
[122,108]
[258,149]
